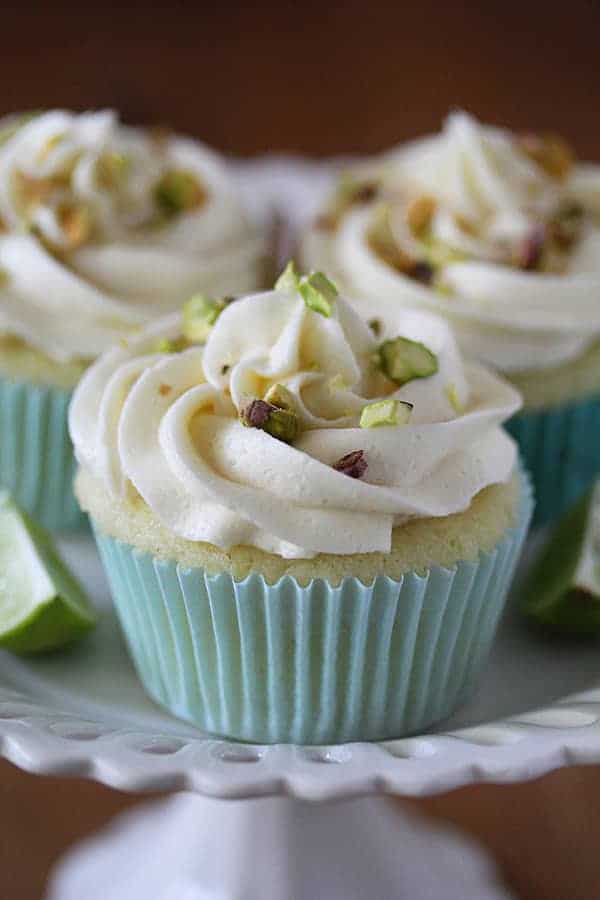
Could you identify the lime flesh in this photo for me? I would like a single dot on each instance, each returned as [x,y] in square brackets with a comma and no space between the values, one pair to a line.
[563,591]
[42,606]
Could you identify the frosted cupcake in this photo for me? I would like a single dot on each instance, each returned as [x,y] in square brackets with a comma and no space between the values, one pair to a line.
[500,233]
[309,531]
[102,228]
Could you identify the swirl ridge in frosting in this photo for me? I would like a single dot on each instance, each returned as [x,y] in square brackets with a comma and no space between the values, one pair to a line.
[172,427]
[497,232]
[103,227]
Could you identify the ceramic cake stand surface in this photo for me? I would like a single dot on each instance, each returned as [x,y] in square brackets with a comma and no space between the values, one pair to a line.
[84,713]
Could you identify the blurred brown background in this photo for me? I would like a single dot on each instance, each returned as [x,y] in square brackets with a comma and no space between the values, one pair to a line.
[317,78]
[324,77]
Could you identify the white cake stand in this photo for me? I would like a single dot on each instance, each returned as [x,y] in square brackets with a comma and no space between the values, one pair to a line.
[84,713]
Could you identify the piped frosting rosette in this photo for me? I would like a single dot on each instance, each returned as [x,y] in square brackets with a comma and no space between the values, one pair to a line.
[293,428]
[104,227]
[499,233]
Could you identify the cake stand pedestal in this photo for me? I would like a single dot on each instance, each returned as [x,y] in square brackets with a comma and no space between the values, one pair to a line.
[84,713]
[194,848]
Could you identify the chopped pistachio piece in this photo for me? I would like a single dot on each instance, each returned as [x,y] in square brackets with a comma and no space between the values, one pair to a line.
[375,326]
[565,228]
[353,190]
[281,424]
[350,191]
[278,395]
[353,464]
[256,413]
[383,243]
[385,412]
[531,250]
[32,191]
[337,383]
[112,168]
[164,345]
[420,213]
[549,151]
[317,291]
[178,191]
[441,286]
[422,271]
[76,223]
[49,146]
[199,315]
[455,401]
[402,360]
[289,279]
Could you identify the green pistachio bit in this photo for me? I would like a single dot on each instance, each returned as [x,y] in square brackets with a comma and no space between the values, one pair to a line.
[199,315]
[283,425]
[289,280]
[112,168]
[375,326]
[164,345]
[178,191]
[279,423]
[385,412]
[442,287]
[455,401]
[318,293]
[402,360]
[337,383]
[278,395]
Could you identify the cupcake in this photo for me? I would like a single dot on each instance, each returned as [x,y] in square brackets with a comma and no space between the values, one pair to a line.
[102,228]
[308,530]
[499,233]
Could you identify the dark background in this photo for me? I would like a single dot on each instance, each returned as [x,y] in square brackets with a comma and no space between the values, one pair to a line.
[317,78]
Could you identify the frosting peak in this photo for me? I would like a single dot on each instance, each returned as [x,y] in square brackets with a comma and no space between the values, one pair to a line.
[176,426]
[111,225]
[496,231]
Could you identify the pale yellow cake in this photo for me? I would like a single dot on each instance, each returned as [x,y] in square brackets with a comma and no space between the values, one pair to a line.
[20,362]
[572,382]
[416,545]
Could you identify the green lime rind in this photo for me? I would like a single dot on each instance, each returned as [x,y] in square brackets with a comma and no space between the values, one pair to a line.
[50,627]
[42,605]
[552,599]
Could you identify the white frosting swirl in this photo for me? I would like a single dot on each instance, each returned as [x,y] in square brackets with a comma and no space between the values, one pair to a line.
[516,320]
[75,301]
[169,425]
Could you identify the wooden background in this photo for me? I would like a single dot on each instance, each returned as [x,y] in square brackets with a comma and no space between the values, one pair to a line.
[317,78]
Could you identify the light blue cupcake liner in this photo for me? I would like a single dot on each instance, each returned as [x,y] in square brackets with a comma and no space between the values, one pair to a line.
[315,664]
[561,449]
[36,456]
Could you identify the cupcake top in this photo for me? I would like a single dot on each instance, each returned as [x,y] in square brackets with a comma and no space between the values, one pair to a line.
[281,420]
[103,227]
[497,231]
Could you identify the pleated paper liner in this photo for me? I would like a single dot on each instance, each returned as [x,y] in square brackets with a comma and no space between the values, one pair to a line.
[560,448]
[316,664]
[36,457]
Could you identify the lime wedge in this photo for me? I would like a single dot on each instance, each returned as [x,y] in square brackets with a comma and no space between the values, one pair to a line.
[42,606]
[563,590]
